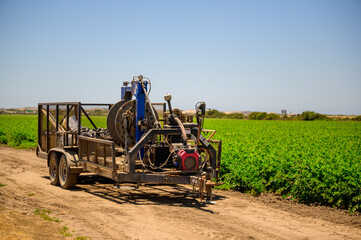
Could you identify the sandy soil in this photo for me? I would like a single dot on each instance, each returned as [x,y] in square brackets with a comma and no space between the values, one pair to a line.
[95,209]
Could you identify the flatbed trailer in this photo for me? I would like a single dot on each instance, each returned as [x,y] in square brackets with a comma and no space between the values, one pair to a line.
[69,152]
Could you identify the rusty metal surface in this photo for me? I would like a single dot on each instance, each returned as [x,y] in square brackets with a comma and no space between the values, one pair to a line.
[111,120]
[127,110]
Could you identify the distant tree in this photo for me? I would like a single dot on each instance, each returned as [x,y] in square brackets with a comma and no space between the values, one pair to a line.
[257,115]
[310,116]
[357,118]
[97,112]
[307,116]
[272,116]
[235,116]
[319,116]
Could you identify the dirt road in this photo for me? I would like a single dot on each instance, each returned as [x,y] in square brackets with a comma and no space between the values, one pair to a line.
[95,209]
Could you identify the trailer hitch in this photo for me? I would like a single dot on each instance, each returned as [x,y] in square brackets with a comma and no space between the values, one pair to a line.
[203,184]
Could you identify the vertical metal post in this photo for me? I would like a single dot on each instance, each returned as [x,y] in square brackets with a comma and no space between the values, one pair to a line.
[96,152]
[47,129]
[140,110]
[72,139]
[67,125]
[105,156]
[40,120]
[80,149]
[113,161]
[87,150]
[40,125]
[79,123]
[57,117]
[79,117]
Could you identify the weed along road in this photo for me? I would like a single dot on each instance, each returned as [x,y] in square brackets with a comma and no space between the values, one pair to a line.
[31,208]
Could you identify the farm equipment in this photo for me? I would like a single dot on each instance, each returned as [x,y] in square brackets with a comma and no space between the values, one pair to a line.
[143,143]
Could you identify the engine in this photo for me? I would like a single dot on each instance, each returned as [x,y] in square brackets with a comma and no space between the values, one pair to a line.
[186,159]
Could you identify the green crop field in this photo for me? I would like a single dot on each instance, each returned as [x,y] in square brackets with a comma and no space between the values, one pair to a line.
[19,130]
[308,161]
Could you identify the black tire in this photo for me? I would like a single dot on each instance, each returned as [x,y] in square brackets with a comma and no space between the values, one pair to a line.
[67,180]
[53,169]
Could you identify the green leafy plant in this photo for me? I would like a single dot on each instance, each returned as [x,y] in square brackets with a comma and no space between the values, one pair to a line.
[308,161]
[19,131]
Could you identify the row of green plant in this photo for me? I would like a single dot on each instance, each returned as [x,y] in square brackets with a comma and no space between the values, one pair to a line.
[18,131]
[310,162]
[306,116]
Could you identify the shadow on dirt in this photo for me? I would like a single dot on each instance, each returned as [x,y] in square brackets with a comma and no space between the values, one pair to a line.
[146,194]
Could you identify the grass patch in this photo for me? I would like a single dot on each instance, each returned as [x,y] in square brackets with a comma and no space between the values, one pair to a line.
[2,185]
[45,216]
[30,194]
[82,238]
[64,230]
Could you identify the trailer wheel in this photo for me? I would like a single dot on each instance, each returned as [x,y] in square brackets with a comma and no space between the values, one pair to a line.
[66,179]
[53,169]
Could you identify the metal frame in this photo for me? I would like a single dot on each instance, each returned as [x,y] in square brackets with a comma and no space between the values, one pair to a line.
[97,162]
[59,130]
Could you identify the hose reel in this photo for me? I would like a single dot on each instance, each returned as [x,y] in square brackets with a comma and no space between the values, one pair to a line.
[115,121]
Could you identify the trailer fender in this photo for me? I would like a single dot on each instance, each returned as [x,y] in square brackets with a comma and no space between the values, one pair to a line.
[72,159]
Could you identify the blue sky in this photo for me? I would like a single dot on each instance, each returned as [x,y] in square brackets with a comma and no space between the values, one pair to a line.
[235,55]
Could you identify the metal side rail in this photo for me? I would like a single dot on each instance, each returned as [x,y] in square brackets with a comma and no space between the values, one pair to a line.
[94,152]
